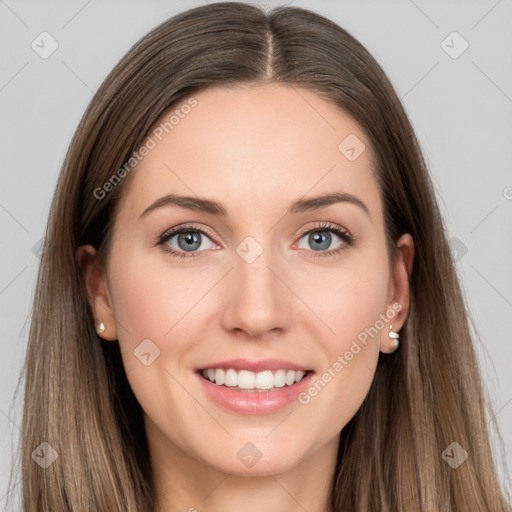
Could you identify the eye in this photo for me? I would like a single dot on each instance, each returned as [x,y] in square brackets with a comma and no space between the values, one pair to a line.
[184,241]
[320,239]
[189,240]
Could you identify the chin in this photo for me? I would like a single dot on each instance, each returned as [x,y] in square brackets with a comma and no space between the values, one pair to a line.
[255,457]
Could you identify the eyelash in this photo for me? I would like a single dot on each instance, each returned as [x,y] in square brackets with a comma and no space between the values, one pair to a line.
[347,238]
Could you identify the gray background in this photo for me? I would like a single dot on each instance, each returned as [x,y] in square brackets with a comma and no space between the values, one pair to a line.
[460,107]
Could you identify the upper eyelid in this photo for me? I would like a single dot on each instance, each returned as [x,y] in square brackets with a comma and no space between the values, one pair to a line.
[325,226]
[186,227]
[320,226]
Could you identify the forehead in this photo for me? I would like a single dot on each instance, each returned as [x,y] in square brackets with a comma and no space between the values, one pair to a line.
[254,147]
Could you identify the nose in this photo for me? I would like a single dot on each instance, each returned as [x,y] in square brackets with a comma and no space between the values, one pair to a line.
[258,300]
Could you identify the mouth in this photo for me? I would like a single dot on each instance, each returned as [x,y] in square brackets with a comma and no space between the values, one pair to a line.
[249,386]
[247,381]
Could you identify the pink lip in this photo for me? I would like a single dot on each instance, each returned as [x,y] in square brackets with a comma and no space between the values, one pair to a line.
[254,366]
[254,402]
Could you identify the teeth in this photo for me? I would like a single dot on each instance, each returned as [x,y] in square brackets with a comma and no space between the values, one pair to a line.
[230,379]
[245,379]
[280,378]
[218,377]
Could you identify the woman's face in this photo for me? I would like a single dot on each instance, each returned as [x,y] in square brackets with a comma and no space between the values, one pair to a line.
[266,282]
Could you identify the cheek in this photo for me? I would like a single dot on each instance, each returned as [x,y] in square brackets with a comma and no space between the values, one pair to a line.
[351,304]
[347,300]
[149,297]
[148,305]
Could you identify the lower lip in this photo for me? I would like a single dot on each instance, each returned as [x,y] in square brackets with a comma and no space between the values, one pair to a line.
[255,402]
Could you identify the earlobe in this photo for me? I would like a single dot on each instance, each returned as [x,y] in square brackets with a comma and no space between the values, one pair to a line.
[393,342]
[98,294]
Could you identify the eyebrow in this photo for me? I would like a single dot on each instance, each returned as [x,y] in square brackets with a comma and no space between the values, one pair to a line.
[215,208]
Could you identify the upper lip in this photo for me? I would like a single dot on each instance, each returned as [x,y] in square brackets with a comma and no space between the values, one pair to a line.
[254,366]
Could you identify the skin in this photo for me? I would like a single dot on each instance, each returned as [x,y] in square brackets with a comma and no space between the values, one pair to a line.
[255,149]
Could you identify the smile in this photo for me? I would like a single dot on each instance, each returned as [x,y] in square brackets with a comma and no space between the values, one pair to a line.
[253,387]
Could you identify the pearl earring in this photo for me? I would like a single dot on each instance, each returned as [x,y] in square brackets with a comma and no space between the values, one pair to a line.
[100,328]
[395,337]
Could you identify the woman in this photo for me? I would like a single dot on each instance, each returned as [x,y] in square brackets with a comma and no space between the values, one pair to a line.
[192,347]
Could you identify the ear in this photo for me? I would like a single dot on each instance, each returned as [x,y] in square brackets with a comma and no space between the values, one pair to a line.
[98,293]
[398,291]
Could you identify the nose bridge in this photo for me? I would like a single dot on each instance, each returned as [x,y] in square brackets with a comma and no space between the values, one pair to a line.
[257,298]
[253,263]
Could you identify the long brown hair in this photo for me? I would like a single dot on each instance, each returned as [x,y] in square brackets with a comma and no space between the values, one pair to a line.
[424,397]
